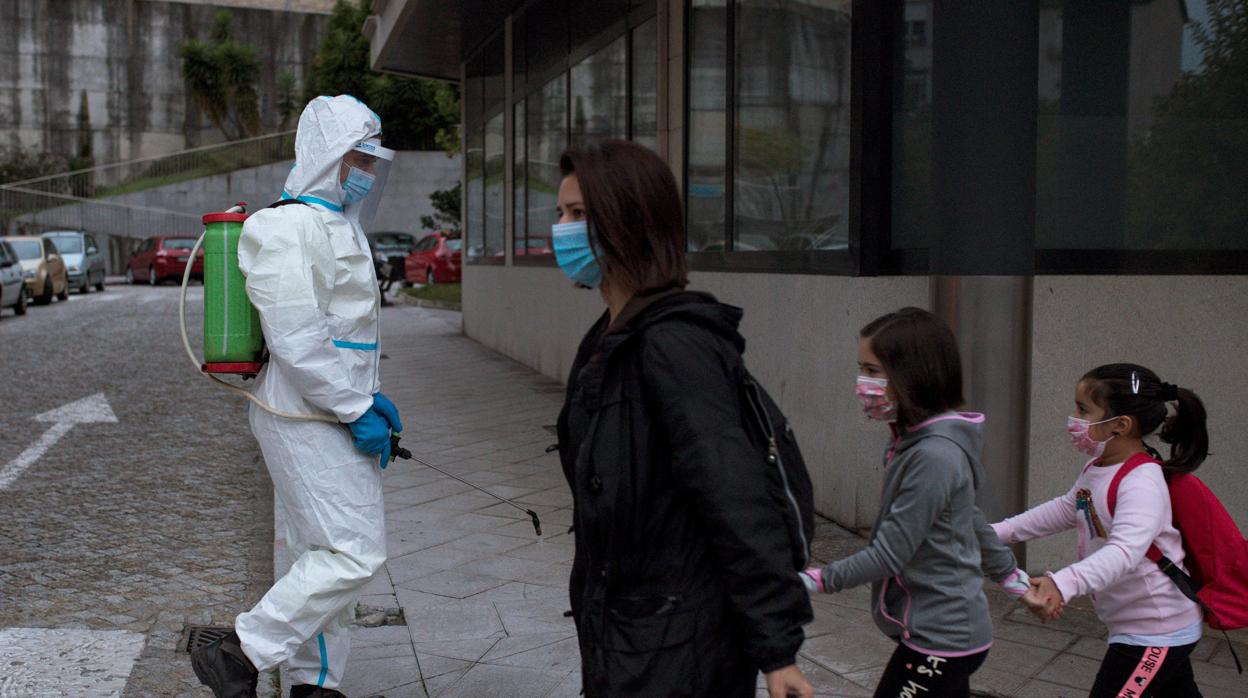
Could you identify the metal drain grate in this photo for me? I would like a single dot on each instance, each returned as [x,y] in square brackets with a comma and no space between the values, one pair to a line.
[199,635]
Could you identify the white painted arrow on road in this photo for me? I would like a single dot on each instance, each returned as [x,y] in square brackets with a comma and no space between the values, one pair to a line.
[89,410]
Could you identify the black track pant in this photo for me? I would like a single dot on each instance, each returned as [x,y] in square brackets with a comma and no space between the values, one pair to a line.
[912,674]
[1130,671]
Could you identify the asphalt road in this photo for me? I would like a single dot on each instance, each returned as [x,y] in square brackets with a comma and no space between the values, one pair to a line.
[114,535]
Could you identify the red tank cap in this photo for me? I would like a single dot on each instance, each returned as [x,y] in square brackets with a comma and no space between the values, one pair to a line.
[224,218]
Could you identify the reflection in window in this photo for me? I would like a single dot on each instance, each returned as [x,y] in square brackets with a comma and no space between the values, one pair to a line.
[519,184]
[706,131]
[599,95]
[494,187]
[645,70]
[912,132]
[547,137]
[793,123]
[1143,116]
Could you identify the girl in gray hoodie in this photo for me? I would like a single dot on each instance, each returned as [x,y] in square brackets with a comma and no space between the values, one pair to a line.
[930,546]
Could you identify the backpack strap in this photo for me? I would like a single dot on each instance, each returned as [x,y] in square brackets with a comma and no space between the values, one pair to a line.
[286,202]
[1153,553]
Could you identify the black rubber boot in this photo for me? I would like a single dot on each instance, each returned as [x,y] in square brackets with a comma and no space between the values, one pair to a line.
[222,666]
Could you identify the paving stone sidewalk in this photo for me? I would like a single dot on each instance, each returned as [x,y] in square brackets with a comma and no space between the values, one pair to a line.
[484,597]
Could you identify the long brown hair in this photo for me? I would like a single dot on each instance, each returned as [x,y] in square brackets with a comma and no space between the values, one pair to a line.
[633,212]
[920,356]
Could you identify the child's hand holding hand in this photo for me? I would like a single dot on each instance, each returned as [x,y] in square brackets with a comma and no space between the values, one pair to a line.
[812,577]
[1044,599]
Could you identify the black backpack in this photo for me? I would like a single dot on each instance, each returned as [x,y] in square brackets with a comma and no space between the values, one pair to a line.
[788,479]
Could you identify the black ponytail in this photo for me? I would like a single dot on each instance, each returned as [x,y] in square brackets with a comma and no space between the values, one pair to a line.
[1132,390]
[1186,433]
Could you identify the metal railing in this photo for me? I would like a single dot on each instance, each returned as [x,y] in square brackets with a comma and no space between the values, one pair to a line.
[87,199]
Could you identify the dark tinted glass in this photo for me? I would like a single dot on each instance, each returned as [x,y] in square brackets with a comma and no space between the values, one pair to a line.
[599,95]
[645,68]
[707,126]
[912,129]
[546,37]
[67,244]
[547,137]
[1143,126]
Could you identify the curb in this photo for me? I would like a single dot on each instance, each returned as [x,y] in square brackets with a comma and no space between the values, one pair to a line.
[404,299]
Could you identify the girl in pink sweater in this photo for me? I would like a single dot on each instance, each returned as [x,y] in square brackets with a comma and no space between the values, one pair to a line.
[1153,627]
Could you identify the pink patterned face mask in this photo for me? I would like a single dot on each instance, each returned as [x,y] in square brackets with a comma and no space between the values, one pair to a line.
[873,394]
[1079,438]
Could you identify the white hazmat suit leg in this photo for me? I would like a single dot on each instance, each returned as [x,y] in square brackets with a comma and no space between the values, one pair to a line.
[310,276]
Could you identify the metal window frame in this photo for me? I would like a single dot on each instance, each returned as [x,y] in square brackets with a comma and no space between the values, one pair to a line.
[869,214]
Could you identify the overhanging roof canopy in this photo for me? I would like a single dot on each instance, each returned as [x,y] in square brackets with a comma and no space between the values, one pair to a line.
[416,37]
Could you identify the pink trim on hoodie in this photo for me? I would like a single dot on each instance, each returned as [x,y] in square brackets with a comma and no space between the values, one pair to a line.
[972,417]
[946,653]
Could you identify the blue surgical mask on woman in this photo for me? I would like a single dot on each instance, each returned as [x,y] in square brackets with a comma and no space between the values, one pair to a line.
[575,253]
[357,185]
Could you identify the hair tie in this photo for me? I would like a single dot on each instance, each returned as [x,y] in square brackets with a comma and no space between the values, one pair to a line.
[1169,392]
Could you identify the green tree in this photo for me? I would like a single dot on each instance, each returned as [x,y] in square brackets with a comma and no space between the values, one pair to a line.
[446,208]
[220,74]
[416,114]
[1182,190]
[287,101]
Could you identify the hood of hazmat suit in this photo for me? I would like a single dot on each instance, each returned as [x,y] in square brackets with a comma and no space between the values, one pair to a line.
[309,273]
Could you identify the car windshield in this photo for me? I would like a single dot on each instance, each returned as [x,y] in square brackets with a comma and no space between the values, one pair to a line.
[392,239]
[67,244]
[454,244]
[179,244]
[27,249]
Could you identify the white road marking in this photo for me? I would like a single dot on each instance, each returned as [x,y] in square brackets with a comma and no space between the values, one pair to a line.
[89,410]
[52,662]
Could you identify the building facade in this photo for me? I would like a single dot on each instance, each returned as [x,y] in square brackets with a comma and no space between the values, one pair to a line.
[1061,181]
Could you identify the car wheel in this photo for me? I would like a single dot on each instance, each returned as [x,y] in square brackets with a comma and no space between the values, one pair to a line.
[430,278]
[99,285]
[130,276]
[151,276]
[45,297]
[86,284]
[20,306]
[64,294]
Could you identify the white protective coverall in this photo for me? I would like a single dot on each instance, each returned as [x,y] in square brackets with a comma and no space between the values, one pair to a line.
[310,275]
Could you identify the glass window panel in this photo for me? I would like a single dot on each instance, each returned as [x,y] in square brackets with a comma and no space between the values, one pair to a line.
[706,130]
[1142,126]
[519,183]
[645,104]
[912,131]
[474,162]
[495,223]
[547,137]
[599,95]
[545,37]
[793,125]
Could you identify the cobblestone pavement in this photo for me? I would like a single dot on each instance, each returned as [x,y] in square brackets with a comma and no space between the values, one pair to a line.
[161,519]
[484,597]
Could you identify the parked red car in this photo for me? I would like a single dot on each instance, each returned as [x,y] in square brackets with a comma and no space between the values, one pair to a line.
[160,258]
[436,259]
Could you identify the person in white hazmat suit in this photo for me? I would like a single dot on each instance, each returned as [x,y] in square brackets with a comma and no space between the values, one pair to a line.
[310,276]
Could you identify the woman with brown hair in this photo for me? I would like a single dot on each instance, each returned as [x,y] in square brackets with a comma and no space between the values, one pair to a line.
[682,584]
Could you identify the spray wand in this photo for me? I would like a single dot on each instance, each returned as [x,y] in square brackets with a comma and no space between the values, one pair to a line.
[397,451]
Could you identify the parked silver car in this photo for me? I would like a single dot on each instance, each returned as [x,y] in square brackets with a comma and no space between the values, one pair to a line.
[84,260]
[12,286]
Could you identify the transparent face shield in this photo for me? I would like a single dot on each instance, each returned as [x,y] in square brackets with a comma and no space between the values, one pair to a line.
[365,169]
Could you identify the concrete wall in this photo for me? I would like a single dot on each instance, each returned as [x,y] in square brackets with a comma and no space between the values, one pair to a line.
[801,342]
[801,334]
[122,55]
[1191,330]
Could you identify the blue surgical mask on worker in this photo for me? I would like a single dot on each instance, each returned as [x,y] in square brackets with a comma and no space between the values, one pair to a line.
[575,253]
[356,186]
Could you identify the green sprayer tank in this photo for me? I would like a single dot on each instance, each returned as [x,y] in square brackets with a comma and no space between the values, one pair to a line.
[233,340]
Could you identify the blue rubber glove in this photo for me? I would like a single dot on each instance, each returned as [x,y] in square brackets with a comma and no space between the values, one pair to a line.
[371,434]
[383,406]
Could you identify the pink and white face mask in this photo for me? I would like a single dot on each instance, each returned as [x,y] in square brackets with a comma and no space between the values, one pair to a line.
[873,394]
[1079,438]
